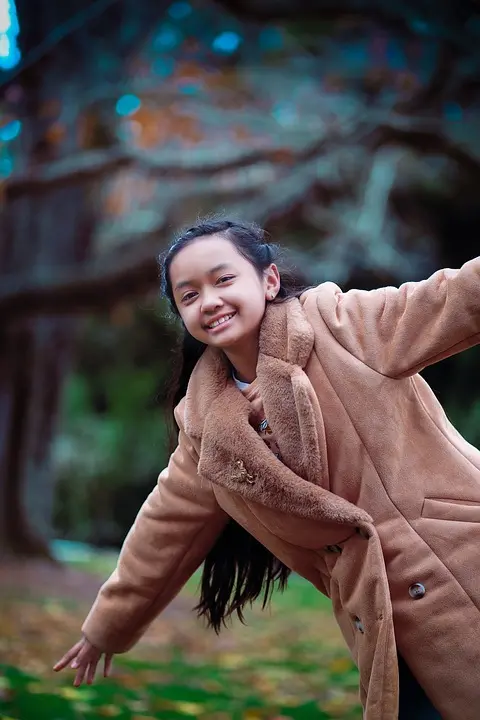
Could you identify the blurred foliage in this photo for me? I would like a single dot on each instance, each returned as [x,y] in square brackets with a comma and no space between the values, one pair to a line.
[467,420]
[456,383]
[289,663]
[113,439]
[210,693]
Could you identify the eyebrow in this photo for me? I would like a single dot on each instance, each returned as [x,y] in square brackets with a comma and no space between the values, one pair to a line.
[217,268]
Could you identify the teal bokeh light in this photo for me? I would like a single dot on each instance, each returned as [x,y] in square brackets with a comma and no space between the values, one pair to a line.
[128,105]
[9,29]
[10,131]
[227,42]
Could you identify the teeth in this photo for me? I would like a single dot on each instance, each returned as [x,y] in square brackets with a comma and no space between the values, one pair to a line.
[221,321]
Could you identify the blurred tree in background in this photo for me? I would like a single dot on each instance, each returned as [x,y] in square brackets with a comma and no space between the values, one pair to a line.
[348,129]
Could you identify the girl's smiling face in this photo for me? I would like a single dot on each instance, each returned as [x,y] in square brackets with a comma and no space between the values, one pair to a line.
[220,295]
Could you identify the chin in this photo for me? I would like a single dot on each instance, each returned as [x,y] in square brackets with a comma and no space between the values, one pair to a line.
[226,342]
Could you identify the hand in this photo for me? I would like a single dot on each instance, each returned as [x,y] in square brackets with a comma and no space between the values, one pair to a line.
[84,657]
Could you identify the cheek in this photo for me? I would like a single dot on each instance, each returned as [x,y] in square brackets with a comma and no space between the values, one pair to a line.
[254,308]
[187,318]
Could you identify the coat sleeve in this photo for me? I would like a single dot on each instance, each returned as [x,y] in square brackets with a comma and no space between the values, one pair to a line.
[173,532]
[399,331]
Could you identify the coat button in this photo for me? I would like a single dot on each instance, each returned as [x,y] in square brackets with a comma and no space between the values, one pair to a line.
[333,549]
[416,591]
[359,625]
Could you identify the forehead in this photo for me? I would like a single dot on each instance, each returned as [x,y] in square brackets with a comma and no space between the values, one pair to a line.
[201,256]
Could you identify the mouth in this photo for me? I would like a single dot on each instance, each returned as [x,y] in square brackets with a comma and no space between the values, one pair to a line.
[221,323]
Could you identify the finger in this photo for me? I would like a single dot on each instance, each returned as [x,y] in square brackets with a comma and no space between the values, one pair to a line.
[86,655]
[92,669]
[80,674]
[68,657]
[107,667]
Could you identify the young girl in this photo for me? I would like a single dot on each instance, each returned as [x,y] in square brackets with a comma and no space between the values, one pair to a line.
[308,442]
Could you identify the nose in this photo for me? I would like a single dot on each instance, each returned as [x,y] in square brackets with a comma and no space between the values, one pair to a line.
[210,301]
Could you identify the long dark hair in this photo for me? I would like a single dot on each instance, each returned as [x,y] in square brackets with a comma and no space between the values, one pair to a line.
[238,568]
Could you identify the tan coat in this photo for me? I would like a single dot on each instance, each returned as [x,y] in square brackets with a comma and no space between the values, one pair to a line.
[376,491]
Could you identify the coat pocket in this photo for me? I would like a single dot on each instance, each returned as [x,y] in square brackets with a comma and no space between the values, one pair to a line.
[448,509]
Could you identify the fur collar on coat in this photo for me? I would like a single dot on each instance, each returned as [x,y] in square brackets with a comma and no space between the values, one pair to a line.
[233,455]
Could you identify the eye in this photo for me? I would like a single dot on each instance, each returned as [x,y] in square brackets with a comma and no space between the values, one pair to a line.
[225,278]
[188,296]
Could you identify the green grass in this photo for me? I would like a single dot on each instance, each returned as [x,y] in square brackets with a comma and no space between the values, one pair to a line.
[177,690]
[287,664]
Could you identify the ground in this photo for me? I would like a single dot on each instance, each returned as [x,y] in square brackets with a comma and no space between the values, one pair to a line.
[289,662]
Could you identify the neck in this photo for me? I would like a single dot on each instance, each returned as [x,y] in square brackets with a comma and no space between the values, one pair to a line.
[244,361]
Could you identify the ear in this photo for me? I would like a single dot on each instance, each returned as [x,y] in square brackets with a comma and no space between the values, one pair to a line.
[271,281]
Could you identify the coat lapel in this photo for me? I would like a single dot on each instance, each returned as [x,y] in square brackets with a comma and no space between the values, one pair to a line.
[290,403]
[232,453]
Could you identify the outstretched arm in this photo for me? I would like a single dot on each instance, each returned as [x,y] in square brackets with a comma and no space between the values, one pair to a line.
[176,527]
[399,331]
[173,532]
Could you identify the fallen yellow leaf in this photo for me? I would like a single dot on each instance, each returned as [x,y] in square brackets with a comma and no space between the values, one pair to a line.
[340,665]
[231,660]
[71,693]
[189,708]
[109,711]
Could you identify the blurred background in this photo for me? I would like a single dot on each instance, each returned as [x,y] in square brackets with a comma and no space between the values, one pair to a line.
[350,130]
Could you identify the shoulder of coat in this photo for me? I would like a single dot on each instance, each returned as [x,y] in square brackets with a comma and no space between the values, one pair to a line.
[324,291]
[179,412]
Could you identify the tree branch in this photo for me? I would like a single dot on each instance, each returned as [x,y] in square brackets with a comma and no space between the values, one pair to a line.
[94,286]
[131,269]
[407,16]
[94,164]
[430,95]
[425,143]
[127,272]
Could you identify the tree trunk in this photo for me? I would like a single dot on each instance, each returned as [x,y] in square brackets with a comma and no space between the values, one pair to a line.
[35,357]
[42,230]
[39,231]
[21,412]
